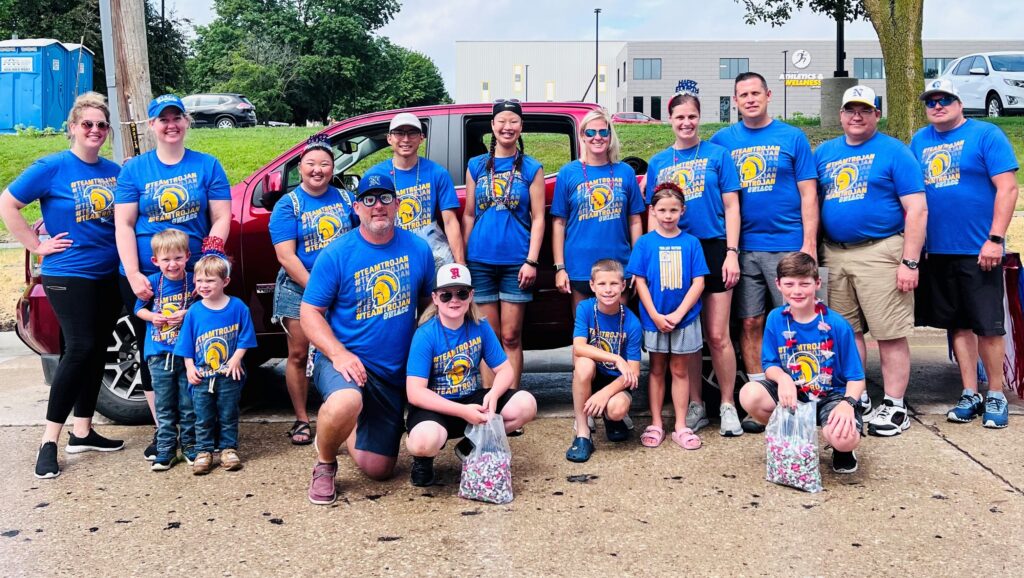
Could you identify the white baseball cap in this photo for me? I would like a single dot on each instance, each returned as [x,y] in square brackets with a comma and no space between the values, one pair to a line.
[453,275]
[940,86]
[860,94]
[405,119]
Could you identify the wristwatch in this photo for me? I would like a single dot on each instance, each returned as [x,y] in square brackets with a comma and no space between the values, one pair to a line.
[852,401]
[911,264]
[996,239]
[733,249]
[559,267]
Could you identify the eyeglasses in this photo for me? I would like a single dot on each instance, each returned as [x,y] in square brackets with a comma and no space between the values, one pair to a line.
[406,133]
[592,132]
[855,112]
[371,200]
[446,296]
[501,100]
[944,101]
[88,124]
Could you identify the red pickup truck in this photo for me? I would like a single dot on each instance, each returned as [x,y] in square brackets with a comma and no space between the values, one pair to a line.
[455,133]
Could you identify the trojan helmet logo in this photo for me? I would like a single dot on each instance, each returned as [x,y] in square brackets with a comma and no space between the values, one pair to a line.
[100,198]
[604,345]
[600,196]
[458,370]
[846,177]
[215,352]
[808,363]
[408,210]
[168,309]
[752,166]
[684,178]
[385,288]
[172,198]
[939,163]
[327,227]
[500,187]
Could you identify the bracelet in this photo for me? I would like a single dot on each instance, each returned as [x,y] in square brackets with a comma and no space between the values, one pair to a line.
[559,267]
[733,249]
[531,263]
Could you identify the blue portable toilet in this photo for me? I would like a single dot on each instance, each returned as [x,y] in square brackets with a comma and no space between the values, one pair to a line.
[79,71]
[33,84]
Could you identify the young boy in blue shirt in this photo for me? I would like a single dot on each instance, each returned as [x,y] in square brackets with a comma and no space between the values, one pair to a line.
[163,313]
[606,359]
[809,350]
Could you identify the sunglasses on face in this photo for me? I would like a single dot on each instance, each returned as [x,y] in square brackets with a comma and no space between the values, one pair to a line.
[88,124]
[371,200]
[944,101]
[446,296]
[592,132]
[406,133]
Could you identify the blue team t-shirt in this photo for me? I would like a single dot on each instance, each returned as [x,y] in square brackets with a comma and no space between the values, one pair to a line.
[804,360]
[704,173]
[169,296]
[958,167]
[423,192]
[861,185]
[76,198]
[312,222]
[603,331]
[371,292]
[596,210]
[211,336]
[449,359]
[172,196]
[669,265]
[771,161]
[501,230]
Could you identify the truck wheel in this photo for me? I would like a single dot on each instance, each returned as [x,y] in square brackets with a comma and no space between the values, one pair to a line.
[121,400]
[993,106]
[711,392]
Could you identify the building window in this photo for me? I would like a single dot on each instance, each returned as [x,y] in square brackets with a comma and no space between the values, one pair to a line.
[485,91]
[656,107]
[868,68]
[732,67]
[617,82]
[933,67]
[624,71]
[646,69]
[549,91]
[638,104]
[724,109]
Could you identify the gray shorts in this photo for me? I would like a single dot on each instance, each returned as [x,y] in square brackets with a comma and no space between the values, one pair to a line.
[757,281]
[682,340]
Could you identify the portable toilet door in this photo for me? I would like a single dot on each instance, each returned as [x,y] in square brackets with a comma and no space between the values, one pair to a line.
[32,84]
[55,100]
[79,71]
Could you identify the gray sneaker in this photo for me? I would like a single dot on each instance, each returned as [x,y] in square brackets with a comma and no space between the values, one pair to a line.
[696,416]
[730,426]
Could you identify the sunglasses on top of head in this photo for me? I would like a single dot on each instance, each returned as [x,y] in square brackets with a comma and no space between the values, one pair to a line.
[501,100]
[88,124]
[592,132]
[944,101]
[371,200]
[446,296]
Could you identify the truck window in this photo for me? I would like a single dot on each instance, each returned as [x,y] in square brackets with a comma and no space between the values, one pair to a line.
[548,138]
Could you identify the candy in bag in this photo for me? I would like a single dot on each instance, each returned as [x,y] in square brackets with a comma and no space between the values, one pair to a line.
[487,470]
[791,438]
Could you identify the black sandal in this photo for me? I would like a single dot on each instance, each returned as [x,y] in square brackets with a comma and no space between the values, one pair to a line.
[300,428]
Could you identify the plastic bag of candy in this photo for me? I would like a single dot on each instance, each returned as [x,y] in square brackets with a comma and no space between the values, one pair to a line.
[487,470]
[791,438]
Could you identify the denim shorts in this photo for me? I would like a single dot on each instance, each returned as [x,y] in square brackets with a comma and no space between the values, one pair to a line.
[492,283]
[287,297]
[380,424]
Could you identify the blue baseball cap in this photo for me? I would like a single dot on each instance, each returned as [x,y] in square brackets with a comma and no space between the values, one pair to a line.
[375,182]
[158,104]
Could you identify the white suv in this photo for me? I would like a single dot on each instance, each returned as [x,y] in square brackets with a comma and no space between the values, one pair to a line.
[990,83]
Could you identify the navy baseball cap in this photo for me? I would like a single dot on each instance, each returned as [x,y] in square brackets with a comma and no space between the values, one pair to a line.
[158,104]
[375,182]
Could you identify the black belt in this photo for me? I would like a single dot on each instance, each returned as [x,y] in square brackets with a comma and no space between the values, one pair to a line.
[854,245]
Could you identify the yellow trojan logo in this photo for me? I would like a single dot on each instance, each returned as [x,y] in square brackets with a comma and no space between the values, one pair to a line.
[939,164]
[808,366]
[500,187]
[752,167]
[408,210]
[458,369]
[327,227]
[684,178]
[216,353]
[100,198]
[600,196]
[172,198]
[385,288]
[168,309]
[846,178]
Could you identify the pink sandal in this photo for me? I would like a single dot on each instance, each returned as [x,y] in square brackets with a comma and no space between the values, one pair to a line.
[686,439]
[652,436]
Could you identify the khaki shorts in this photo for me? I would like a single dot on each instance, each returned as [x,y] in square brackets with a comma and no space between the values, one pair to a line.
[862,288]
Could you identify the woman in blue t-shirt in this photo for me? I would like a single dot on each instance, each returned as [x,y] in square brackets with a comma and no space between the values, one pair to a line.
[597,208]
[303,223]
[503,224]
[75,189]
[171,186]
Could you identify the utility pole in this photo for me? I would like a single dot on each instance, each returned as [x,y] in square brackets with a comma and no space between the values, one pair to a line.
[785,83]
[597,54]
[126,59]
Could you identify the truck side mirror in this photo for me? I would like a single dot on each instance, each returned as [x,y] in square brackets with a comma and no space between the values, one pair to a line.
[273,187]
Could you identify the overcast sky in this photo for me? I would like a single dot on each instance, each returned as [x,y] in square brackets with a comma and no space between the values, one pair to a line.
[432,27]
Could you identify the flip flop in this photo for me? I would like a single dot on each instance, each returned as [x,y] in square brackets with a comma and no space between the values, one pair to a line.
[686,439]
[652,436]
[300,428]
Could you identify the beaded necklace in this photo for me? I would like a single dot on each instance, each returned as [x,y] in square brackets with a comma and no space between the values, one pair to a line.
[394,173]
[620,336]
[823,384]
[159,303]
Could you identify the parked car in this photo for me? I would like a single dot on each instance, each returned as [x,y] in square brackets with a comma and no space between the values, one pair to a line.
[222,110]
[633,118]
[990,83]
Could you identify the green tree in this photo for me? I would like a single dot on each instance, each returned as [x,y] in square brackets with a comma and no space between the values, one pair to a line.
[898,26]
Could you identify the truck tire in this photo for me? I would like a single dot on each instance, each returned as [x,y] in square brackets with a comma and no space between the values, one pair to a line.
[120,399]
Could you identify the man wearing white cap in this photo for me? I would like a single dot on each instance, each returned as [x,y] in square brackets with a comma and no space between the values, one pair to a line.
[426,194]
[874,216]
[971,187]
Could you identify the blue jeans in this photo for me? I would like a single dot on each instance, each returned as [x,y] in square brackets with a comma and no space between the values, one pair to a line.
[217,412]
[173,406]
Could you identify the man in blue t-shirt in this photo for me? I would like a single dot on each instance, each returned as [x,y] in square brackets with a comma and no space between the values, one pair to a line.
[426,195]
[359,310]
[778,206]
[873,214]
[969,180]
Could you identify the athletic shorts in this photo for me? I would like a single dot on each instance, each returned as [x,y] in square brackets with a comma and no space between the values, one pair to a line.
[680,341]
[862,288]
[825,406]
[956,294]
[715,253]
[379,427]
[455,426]
[757,282]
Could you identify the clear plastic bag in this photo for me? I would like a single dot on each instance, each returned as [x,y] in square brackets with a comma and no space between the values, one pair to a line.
[791,438]
[487,470]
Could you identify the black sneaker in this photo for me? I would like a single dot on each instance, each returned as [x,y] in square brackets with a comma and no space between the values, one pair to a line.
[422,472]
[516,433]
[750,426]
[844,462]
[463,448]
[616,430]
[46,462]
[150,452]
[93,442]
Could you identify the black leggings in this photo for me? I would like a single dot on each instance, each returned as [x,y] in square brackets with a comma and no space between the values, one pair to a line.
[139,326]
[87,310]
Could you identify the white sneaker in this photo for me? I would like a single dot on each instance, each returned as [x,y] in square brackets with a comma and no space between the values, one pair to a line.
[889,420]
[696,416]
[730,421]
